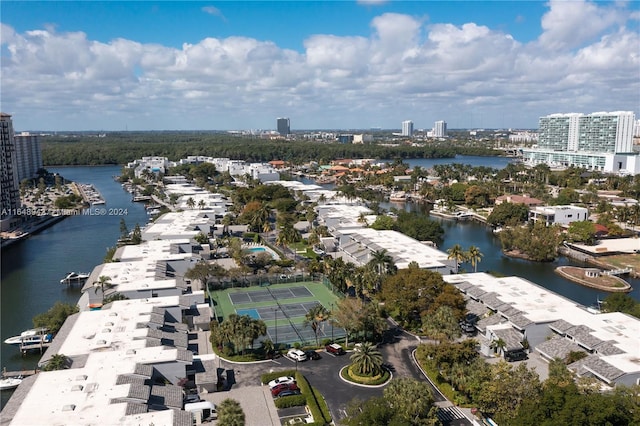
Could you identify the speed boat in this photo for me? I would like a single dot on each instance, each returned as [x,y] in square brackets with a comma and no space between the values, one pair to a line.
[74,277]
[30,337]
[10,383]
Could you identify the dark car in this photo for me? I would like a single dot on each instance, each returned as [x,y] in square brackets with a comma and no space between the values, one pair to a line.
[313,355]
[277,390]
[190,398]
[288,393]
[335,349]
[471,318]
[515,355]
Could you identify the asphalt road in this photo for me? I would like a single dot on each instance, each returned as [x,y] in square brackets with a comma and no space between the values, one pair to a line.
[324,375]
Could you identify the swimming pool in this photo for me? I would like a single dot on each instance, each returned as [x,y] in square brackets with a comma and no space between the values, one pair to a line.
[256,249]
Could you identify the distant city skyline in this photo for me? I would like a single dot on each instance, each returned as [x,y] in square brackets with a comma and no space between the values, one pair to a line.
[115,66]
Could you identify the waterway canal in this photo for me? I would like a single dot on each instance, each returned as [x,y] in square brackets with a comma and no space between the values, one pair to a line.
[32,269]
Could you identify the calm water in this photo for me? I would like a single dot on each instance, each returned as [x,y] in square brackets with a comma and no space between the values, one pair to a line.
[32,269]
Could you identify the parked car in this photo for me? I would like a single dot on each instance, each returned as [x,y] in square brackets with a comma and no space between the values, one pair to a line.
[515,355]
[280,380]
[312,355]
[191,398]
[288,393]
[471,318]
[278,389]
[335,349]
[297,355]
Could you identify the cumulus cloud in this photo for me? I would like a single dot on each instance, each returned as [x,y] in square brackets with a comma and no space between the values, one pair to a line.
[569,24]
[405,69]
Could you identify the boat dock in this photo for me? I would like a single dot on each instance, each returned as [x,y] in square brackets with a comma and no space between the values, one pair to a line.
[23,373]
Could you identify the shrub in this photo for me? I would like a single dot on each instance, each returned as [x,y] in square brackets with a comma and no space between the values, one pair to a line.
[349,375]
[267,377]
[291,401]
[312,399]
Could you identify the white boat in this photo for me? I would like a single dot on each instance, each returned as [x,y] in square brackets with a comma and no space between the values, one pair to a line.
[74,277]
[30,337]
[398,196]
[10,383]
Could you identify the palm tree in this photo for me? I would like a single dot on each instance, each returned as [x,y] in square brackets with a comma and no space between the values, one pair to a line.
[202,204]
[367,360]
[474,255]
[498,345]
[382,261]
[316,316]
[103,283]
[191,203]
[457,254]
[230,413]
[226,221]
[57,362]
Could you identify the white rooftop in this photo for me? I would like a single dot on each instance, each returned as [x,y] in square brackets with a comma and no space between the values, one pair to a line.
[622,245]
[153,250]
[339,216]
[83,396]
[402,248]
[540,305]
[113,329]
[178,225]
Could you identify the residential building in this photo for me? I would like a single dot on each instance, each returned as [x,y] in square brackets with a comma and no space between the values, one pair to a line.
[440,129]
[9,183]
[362,138]
[283,126]
[407,128]
[519,199]
[558,215]
[601,141]
[517,311]
[28,155]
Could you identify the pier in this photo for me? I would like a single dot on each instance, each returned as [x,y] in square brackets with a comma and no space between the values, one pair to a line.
[15,374]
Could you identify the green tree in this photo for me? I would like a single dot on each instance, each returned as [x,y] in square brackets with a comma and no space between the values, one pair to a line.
[457,254]
[103,284]
[620,302]
[383,222]
[55,316]
[230,413]
[474,255]
[411,401]
[366,360]
[583,231]
[508,214]
[191,203]
[57,362]
[315,317]
[442,324]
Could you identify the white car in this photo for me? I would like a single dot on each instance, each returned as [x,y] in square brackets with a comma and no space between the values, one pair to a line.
[297,355]
[281,380]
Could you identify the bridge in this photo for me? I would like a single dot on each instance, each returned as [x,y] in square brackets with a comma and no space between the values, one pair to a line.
[618,271]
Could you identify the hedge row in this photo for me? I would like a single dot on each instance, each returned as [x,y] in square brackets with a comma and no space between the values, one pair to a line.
[291,401]
[312,401]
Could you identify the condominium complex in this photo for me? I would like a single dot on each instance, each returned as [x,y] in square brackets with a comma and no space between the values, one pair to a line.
[28,155]
[284,126]
[10,194]
[601,141]
[407,128]
[440,129]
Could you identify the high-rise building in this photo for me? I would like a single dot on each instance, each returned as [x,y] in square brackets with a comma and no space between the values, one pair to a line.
[600,141]
[440,129]
[28,155]
[407,128]
[283,126]
[9,189]
[605,132]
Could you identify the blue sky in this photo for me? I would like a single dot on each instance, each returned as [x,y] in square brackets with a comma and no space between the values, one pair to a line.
[240,64]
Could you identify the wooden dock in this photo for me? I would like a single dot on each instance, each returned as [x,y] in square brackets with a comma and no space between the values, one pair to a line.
[23,373]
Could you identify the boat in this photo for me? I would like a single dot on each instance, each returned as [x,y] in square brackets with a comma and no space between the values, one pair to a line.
[34,336]
[75,278]
[398,196]
[10,382]
[139,198]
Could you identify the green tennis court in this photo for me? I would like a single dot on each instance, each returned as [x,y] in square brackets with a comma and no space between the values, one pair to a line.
[283,308]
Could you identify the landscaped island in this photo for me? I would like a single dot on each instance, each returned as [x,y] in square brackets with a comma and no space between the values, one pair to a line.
[594,278]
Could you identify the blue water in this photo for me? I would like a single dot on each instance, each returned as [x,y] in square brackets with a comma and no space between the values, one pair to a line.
[256,249]
[32,269]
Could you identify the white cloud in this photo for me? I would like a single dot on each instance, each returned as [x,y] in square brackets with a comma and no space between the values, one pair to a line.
[404,69]
[568,24]
[212,10]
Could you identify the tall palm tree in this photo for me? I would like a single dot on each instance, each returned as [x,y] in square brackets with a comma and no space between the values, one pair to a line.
[316,316]
[226,221]
[367,360]
[202,204]
[103,284]
[382,261]
[457,254]
[474,255]
[191,203]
